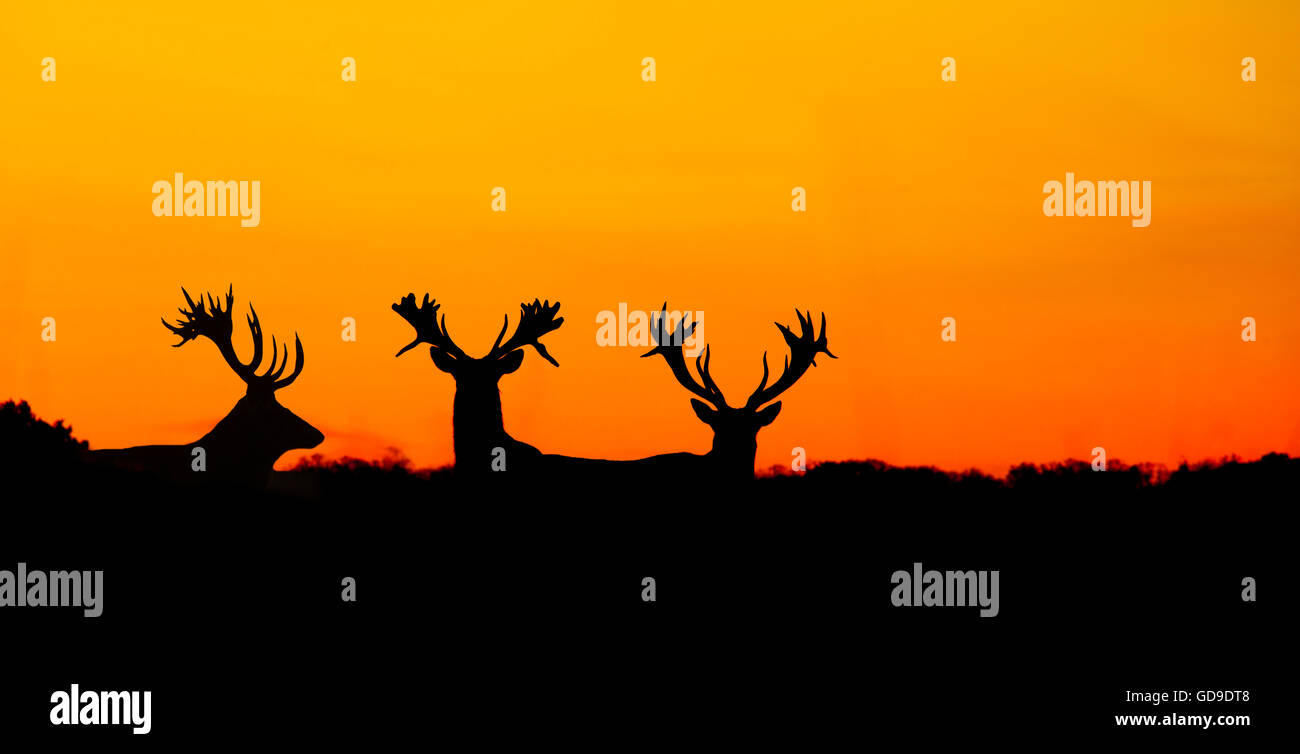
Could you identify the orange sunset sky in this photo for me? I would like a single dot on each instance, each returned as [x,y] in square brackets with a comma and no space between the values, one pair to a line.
[924,200]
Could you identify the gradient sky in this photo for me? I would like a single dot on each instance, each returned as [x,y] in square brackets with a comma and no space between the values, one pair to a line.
[924,201]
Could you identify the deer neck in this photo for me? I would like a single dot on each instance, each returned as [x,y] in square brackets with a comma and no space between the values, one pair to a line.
[733,460]
[231,449]
[477,425]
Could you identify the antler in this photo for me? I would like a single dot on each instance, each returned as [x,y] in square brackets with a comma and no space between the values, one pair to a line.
[424,319]
[216,324]
[535,320]
[672,348]
[803,350]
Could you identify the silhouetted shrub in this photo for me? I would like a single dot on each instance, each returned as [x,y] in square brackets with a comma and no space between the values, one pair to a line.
[341,479]
[27,442]
[33,448]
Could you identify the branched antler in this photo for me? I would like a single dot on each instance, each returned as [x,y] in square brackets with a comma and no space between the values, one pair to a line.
[216,324]
[671,346]
[535,320]
[803,350]
[424,318]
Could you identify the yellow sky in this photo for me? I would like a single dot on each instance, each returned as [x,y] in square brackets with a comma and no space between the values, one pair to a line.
[924,201]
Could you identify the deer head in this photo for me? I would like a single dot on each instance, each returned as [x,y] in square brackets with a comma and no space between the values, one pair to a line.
[258,430]
[477,406]
[735,430]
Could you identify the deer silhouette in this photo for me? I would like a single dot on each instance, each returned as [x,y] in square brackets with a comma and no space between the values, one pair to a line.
[735,430]
[478,427]
[244,446]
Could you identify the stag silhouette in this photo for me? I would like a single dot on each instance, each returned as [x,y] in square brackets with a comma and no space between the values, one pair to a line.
[478,426]
[735,430]
[244,446]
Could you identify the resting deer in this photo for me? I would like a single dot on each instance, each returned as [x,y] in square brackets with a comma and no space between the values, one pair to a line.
[477,422]
[735,430]
[244,446]
[476,410]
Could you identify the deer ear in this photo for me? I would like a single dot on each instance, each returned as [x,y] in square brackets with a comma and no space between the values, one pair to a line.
[442,360]
[768,415]
[706,413]
[511,361]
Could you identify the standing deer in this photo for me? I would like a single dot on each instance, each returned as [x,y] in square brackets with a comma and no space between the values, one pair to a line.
[244,446]
[477,423]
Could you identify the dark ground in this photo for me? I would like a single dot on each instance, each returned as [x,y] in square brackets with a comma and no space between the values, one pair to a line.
[488,613]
